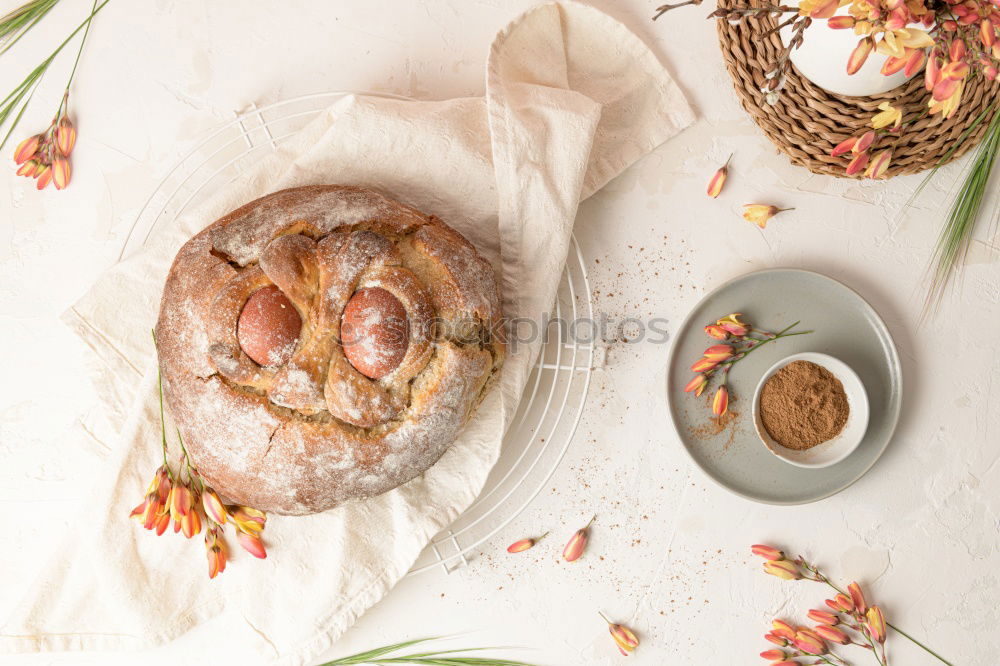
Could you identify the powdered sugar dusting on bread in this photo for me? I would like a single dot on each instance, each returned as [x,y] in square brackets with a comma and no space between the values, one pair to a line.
[246,439]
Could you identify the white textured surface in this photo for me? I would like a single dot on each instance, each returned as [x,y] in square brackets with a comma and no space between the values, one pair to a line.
[922,528]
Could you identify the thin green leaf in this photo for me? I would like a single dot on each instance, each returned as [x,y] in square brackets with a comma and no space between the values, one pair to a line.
[960,224]
[383,656]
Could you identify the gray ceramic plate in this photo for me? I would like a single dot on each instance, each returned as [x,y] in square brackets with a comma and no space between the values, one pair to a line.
[845,326]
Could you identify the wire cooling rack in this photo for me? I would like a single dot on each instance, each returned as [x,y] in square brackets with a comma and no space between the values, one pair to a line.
[552,404]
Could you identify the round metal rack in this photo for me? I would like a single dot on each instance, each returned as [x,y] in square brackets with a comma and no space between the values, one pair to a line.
[552,404]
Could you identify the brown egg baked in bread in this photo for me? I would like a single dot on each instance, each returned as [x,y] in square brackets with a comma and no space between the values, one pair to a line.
[323,344]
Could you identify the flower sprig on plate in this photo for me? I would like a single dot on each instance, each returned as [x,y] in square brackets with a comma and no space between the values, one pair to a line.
[737,339]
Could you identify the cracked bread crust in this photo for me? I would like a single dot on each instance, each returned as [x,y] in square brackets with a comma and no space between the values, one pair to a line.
[312,433]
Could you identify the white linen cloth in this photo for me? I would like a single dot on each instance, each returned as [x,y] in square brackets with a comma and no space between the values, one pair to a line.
[572,99]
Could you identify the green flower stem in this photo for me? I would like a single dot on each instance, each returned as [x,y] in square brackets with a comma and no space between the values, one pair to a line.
[79,52]
[783,333]
[899,631]
[27,87]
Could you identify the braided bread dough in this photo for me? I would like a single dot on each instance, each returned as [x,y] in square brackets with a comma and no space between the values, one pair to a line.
[312,430]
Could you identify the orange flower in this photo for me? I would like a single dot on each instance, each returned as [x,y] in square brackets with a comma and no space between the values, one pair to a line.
[716,331]
[859,55]
[823,617]
[252,544]
[783,569]
[191,523]
[767,552]
[214,508]
[783,629]
[731,324]
[27,149]
[759,214]
[61,172]
[875,621]
[889,115]
[65,136]
[841,603]
[719,179]
[857,597]
[809,642]
[215,550]
[878,166]
[857,164]
[703,364]
[832,634]
[577,543]
[697,384]
[773,655]
[840,22]
[248,519]
[44,176]
[718,353]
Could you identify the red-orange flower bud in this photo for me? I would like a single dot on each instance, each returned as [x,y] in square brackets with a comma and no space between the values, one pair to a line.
[857,597]
[767,552]
[65,136]
[718,179]
[27,149]
[577,543]
[524,544]
[720,401]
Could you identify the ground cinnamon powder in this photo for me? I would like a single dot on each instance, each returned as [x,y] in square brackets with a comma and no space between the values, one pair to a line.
[802,405]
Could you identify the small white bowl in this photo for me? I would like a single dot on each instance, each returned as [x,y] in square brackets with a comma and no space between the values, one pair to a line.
[834,450]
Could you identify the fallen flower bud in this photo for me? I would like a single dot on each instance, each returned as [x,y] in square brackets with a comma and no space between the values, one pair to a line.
[524,544]
[622,635]
[782,569]
[719,179]
[577,543]
[767,552]
[759,214]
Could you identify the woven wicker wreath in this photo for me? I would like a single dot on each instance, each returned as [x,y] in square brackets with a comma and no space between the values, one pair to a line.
[808,121]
